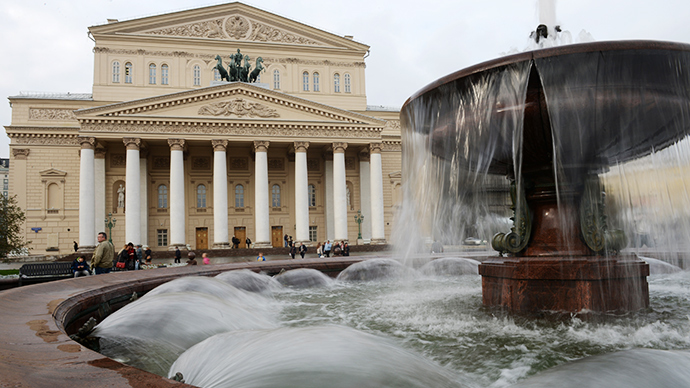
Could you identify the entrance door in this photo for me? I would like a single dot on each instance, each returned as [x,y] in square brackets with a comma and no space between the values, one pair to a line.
[277,236]
[241,233]
[201,238]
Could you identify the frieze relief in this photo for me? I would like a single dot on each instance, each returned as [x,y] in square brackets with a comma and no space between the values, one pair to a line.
[392,124]
[238,107]
[313,165]
[201,163]
[276,164]
[44,139]
[51,114]
[350,164]
[118,161]
[267,131]
[161,163]
[239,164]
[391,146]
[235,27]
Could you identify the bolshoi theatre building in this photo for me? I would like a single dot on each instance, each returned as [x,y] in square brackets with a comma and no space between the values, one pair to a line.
[177,154]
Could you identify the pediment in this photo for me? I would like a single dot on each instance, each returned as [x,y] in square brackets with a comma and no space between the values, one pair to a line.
[52,172]
[233,22]
[229,101]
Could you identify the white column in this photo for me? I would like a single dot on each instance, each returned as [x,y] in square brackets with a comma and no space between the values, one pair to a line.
[365,194]
[330,214]
[99,190]
[339,192]
[177,206]
[378,233]
[301,193]
[143,198]
[132,193]
[87,199]
[221,238]
[261,204]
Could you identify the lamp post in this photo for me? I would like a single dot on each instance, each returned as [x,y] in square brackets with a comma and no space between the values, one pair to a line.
[358,219]
[109,223]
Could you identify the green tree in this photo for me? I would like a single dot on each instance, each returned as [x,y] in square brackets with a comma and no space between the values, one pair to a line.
[11,219]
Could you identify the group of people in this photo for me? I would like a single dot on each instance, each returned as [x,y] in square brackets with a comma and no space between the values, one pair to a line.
[236,242]
[337,249]
[131,258]
[191,257]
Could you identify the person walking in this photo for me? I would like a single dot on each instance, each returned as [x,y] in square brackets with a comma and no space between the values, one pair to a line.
[178,254]
[285,238]
[102,259]
[80,268]
[249,243]
[302,249]
[76,246]
[327,248]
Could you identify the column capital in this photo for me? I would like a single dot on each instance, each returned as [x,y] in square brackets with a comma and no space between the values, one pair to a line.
[375,148]
[339,147]
[364,154]
[99,152]
[219,144]
[132,143]
[87,143]
[301,146]
[176,144]
[261,145]
[20,153]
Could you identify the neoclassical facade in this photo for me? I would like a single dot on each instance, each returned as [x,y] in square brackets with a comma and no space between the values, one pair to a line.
[178,157]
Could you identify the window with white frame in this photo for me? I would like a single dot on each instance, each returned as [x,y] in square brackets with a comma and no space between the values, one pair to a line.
[276,79]
[152,74]
[128,72]
[336,83]
[162,197]
[201,197]
[313,233]
[116,71]
[196,75]
[275,196]
[347,83]
[305,81]
[216,75]
[162,236]
[164,74]
[239,196]
[316,81]
[312,195]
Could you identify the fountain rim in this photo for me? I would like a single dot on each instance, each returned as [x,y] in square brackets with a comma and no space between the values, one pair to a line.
[614,45]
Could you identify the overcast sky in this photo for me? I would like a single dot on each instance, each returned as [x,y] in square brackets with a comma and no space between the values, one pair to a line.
[45,48]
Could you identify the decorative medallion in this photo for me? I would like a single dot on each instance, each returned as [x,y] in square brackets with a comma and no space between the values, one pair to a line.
[276,164]
[118,160]
[238,107]
[313,165]
[239,164]
[201,163]
[237,27]
[161,163]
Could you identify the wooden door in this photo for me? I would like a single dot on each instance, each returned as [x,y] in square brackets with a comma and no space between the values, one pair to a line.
[241,233]
[277,236]
[201,238]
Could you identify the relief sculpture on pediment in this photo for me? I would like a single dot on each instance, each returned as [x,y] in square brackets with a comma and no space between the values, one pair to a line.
[238,107]
[263,33]
[205,29]
[237,27]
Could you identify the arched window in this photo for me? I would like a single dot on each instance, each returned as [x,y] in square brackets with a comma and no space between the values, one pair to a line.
[336,83]
[152,74]
[162,197]
[116,71]
[316,82]
[164,74]
[312,195]
[305,81]
[201,197]
[276,79]
[347,83]
[128,72]
[275,196]
[239,196]
[197,75]
[216,74]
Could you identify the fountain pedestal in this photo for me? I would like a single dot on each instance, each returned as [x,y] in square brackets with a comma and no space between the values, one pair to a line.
[566,284]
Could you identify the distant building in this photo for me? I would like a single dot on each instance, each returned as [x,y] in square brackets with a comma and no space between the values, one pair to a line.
[179,157]
[5,173]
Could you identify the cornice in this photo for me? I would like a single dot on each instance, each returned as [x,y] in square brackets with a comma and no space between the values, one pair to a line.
[224,91]
[44,139]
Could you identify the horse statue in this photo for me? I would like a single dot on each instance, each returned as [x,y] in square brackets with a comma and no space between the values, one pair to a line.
[257,69]
[232,69]
[223,73]
[244,71]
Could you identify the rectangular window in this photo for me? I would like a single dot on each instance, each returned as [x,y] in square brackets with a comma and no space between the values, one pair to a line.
[164,75]
[162,237]
[152,74]
[313,234]
[305,81]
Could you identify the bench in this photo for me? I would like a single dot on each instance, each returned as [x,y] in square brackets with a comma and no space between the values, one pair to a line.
[44,272]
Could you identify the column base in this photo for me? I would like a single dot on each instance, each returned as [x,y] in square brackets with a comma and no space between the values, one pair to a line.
[222,245]
[263,245]
[86,249]
[378,241]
